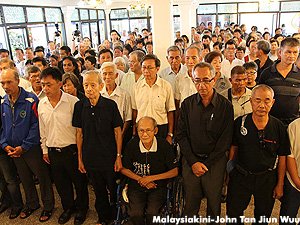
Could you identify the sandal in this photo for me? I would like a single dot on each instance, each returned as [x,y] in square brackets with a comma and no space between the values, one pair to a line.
[47,214]
[27,212]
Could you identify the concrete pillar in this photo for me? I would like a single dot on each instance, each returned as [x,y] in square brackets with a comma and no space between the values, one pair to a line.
[67,12]
[162,28]
[188,15]
[107,12]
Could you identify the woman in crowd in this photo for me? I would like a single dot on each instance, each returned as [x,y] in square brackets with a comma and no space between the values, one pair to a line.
[71,85]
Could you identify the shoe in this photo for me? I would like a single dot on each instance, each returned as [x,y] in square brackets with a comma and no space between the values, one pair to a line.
[14,213]
[47,214]
[80,217]
[65,216]
[26,212]
[3,207]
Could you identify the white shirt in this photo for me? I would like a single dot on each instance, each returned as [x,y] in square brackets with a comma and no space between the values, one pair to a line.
[56,128]
[169,75]
[155,101]
[294,133]
[241,105]
[273,57]
[40,95]
[226,66]
[122,98]
[128,82]
[184,87]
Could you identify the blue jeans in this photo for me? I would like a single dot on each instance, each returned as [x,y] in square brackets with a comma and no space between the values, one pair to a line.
[290,201]
[9,174]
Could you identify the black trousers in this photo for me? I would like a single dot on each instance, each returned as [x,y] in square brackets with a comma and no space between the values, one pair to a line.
[208,185]
[31,163]
[242,187]
[105,187]
[64,167]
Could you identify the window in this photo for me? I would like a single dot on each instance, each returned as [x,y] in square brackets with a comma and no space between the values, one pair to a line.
[138,13]
[268,6]
[53,15]
[291,22]
[84,14]
[13,14]
[206,18]
[93,14]
[290,6]
[35,14]
[226,19]
[37,35]
[75,16]
[101,15]
[207,9]
[248,7]
[118,13]
[227,8]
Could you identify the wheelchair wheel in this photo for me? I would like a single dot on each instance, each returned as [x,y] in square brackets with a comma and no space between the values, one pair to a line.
[178,197]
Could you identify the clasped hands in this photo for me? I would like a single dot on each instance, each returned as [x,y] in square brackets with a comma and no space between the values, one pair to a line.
[14,152]
[147,182]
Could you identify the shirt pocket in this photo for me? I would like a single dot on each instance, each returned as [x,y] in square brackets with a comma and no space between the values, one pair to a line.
[159,102]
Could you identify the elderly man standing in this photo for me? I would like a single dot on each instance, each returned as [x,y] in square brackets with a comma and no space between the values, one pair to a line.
[99,140]
[263,60]
[149,162]
[153,97]
[20,138]
[260,146]
[58,138]
[204,135]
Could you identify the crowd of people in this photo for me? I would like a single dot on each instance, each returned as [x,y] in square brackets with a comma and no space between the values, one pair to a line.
[77,115]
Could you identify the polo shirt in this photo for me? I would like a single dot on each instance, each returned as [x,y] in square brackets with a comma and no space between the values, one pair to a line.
[286,90]
[155,101]
[145,163]
[258,150]
[226,66]
[99,149]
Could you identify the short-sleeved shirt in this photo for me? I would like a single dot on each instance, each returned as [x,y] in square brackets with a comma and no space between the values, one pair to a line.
[155,101]
[222,84]
[169,75]
[184,87]
[99,148]
[267,64]
[286,90]
[149,163]
[258,149]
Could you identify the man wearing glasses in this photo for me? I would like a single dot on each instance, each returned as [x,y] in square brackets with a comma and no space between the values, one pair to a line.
[259,149]
[204,135]
[153,97]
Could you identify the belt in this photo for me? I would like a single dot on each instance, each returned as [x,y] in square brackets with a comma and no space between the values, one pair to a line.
[246,173]
[61,149]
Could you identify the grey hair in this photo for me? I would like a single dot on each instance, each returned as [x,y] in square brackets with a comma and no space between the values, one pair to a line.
[194,47]
[93,72]
[174,48]
[119,59]
[263,87]
[205,65]
[264,46]
[108,64]
[147,118]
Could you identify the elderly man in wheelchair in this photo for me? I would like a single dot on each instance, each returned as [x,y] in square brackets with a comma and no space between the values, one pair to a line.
[149,162]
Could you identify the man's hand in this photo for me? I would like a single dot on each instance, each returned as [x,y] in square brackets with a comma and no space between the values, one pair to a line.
[199,169]
[278,191]
[118,164]
[151,185]
[81,166]
[17,152]
[46,158]
[9,149]
[144,181]
[169,139]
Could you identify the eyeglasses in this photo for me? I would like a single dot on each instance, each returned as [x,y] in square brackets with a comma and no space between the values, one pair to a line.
[148,68]
[147,131]
[205,81]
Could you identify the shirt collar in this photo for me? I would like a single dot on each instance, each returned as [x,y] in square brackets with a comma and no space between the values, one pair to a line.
[152,149]
[247,93]
[274,69]
[213,100]
[116,92]
[158,81]
[87,103]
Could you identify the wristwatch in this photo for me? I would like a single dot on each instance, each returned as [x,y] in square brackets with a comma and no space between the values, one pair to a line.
[170,134]
[119,155]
